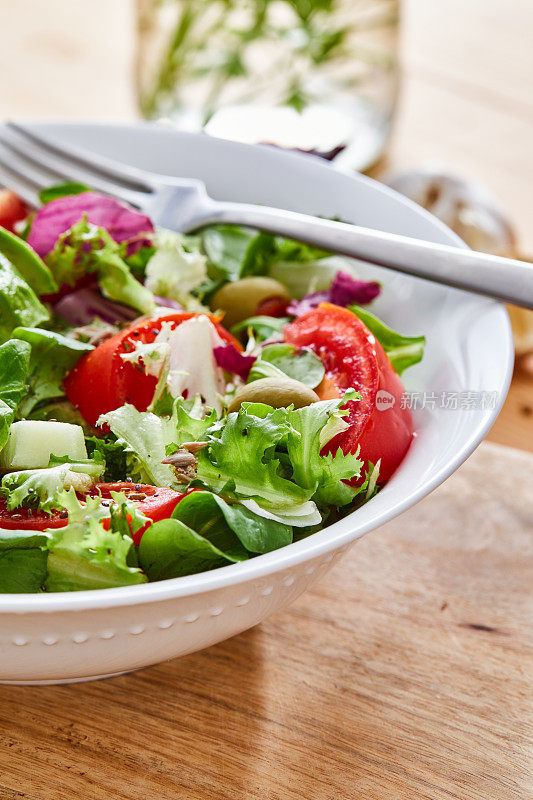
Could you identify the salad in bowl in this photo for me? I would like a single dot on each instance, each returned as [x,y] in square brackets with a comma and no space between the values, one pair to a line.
[171,404]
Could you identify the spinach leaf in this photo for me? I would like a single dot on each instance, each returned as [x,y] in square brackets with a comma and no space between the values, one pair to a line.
[169,549]
[285,359]
[22,570]
[226,247]
[205,512]
[403,351]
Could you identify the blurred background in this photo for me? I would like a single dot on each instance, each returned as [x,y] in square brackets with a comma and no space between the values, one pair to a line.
[432,96]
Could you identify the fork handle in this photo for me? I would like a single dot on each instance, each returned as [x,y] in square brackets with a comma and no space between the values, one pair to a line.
[501,278]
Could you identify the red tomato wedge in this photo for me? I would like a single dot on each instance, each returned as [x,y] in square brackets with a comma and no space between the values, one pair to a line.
[12,209]
[102,381]
[353,358]
[152,501]
[25,519]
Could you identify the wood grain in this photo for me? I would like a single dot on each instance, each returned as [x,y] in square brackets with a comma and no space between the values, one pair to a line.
[405,674]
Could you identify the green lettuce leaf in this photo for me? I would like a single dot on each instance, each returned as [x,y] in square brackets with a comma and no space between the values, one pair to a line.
[324,474]
[19,305]
[243,451]
[84,555]
[14,366]
[176,267]
[403,351]
[52,356]
[27,263]
[61,190]
[85,248]
[145,436]
[42,487]
[149,438]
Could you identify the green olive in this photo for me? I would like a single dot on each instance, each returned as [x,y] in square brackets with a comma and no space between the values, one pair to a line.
[278,392]
[240,299]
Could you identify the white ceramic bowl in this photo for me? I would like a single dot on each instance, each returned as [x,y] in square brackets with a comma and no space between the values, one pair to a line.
[63,637]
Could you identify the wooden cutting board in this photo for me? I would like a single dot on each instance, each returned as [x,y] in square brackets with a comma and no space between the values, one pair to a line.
[405,674]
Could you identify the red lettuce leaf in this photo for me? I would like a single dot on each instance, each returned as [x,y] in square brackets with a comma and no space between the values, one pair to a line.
[123,223]
[229,358]
[345,290]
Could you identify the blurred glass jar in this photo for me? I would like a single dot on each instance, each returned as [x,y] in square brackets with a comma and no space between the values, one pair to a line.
[316,75]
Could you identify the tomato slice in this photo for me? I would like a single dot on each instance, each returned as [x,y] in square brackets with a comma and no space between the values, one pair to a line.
[26,519]
[12,209]
[353,358]
[102,381]
[152,501]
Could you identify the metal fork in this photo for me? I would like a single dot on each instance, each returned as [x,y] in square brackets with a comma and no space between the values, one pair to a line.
[30,162]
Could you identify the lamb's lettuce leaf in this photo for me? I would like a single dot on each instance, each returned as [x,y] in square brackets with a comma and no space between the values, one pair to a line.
[403,351]
[261,327]
[285,359]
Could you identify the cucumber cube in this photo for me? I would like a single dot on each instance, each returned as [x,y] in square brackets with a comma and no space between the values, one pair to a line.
[31,443]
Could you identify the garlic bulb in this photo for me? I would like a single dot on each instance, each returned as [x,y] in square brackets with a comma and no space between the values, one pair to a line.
[465,206]
[470,210]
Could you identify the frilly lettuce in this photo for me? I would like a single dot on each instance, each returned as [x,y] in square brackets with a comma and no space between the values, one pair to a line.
[85,248]
[87,555]
[176,267]
[45,485]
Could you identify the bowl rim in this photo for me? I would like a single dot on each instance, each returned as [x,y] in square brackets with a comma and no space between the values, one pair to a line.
[338,535]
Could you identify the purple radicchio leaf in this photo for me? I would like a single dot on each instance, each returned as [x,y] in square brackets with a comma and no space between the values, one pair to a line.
[82,306]
[123,223]
[166,302]
[229,358]
[345,290]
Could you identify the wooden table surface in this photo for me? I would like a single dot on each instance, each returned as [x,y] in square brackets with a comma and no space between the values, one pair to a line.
[406,673]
